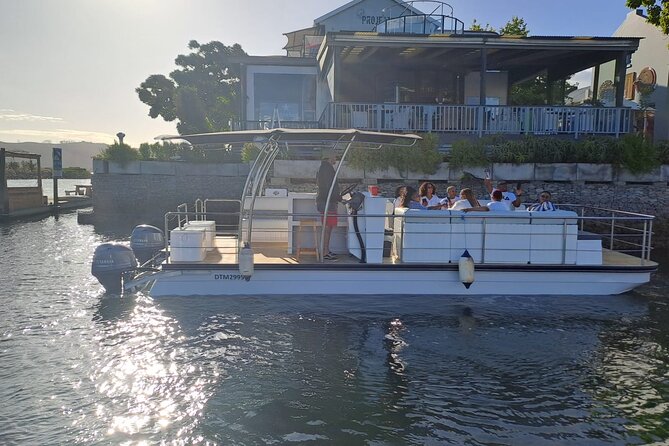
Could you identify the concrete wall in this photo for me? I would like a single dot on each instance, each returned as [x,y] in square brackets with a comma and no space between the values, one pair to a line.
[142,192]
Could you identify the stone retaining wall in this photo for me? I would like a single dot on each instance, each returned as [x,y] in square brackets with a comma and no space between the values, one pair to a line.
[142,192]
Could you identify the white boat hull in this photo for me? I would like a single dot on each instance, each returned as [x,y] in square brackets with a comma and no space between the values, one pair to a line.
[391,281]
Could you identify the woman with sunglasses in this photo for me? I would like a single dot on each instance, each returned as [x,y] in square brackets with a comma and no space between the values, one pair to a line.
[544,203]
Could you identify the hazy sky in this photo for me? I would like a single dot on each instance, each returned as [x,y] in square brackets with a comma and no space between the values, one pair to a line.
[69,68]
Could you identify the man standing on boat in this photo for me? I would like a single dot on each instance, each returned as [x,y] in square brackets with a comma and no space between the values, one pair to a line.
[324,180]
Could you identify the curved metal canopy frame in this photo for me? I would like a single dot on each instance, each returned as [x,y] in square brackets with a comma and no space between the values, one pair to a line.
[272,141]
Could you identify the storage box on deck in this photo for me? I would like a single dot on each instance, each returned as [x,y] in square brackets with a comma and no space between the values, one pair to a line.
[209,228]
[187,245]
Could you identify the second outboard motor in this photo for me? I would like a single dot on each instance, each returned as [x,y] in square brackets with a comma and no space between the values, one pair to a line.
[146,241]
[111,262]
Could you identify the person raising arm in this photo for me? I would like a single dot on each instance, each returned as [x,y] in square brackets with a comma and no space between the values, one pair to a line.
[502,186]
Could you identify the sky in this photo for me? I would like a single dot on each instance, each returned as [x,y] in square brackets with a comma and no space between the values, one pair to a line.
[69,68]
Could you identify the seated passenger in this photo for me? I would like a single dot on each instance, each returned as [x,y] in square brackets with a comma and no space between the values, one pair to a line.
[497,204]
[428,194]
[468,202]
[400,192]
[544,203]
[451,197]
[502,186]
[411,199]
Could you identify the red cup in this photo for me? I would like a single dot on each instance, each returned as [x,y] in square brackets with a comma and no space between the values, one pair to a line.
[373,190]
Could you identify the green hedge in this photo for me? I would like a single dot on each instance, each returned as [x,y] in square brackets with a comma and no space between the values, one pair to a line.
[423,157]
[630,151]
[167,151]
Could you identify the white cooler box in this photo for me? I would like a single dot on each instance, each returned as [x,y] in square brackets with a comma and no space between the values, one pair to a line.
[187,245]
[209,234]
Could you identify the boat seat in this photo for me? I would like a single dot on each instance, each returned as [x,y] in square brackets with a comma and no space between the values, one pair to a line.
[302,229]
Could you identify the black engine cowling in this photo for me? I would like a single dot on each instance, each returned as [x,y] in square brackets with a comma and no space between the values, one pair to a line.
[111,261]
[146,241]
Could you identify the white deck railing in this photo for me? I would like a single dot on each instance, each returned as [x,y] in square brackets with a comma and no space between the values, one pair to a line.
[536,120]
[518,237]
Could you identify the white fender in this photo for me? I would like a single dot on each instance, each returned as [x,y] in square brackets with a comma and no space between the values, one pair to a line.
[466,269]
[246,261]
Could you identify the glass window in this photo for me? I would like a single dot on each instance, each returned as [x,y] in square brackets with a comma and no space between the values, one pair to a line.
[284,97]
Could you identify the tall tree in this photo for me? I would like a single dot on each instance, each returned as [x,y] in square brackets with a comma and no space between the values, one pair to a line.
[202,94]
[657,11]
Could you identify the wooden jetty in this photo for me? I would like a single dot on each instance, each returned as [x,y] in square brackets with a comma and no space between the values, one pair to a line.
[24,202]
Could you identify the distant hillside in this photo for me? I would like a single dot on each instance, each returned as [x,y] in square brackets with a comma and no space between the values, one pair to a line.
[75,154]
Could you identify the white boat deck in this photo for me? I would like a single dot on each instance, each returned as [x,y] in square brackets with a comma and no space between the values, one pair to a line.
[275,253]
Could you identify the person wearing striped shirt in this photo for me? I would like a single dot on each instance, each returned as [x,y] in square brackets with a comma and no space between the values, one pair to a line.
[544,203]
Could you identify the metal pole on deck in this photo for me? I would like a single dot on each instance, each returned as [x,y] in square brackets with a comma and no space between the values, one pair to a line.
[57,173]
[4,196]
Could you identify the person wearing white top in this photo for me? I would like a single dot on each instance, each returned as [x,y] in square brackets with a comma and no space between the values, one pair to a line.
[451,197]
[428,194]
[468,202]
[497,203]
[502,185]
[400,192]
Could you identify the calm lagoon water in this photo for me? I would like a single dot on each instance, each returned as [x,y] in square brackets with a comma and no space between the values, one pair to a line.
[77,367]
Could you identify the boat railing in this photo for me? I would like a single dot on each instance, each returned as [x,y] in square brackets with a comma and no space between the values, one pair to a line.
[420,237]
[574,121]
[623,231]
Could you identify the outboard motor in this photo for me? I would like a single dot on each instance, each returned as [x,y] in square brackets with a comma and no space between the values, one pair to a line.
[146,241]
[111,261]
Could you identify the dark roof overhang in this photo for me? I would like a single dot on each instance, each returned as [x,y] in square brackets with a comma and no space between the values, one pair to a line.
[274,60]
[521,56]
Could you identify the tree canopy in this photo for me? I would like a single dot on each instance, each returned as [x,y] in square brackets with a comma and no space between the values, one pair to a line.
[476,26]
[515,27]
[202,95]
[657,11]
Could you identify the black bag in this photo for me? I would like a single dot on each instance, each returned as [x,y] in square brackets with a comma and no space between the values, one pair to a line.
[356,201]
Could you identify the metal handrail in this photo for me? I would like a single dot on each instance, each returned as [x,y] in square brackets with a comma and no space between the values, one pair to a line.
[636,240]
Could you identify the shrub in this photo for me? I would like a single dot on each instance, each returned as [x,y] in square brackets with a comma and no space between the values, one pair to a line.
[120,153]
[637,154]
[597,150]
[662,152]
[466,153]
[249,152]
[421,157]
